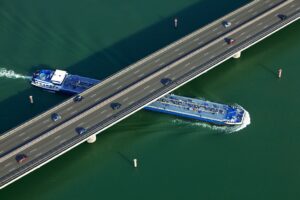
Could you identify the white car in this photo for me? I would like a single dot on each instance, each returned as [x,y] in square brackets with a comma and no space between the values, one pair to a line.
[226,24]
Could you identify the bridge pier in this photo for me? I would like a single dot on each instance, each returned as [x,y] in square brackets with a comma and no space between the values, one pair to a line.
[91,139]
[237,55]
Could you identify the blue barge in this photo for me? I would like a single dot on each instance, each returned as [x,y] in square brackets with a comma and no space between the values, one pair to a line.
[198,109]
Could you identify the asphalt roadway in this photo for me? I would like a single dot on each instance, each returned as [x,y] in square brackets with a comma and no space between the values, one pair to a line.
[40,135]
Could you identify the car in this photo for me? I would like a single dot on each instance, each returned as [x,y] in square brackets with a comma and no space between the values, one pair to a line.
[80,130]
[166,81]
[115,106]
[226,24]
[282,16]
[55,117]
[230,40]
[77,98]
[21,158]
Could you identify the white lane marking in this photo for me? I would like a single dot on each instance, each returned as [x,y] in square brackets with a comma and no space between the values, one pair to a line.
[125,99]
[214,30]
[266,26]
[75,111]
[37,155]
[211,57]
[220,32]
[206,53]
[8,164]
[62,141]
[255,13]
[161,64]
[119,87]
[243,33]
[115,83]
[80,124]
[45,121]
[145,88]
[157,60]
[141,75]
[137,71]
[103,111]
[180,53]
[193,67]
[196,39]
[152,90]
[57,137]
[33,150]
[26,138]
[97,100]
[249,11]
[69,108]
[298,9]
[93,95]
[22,134]
[107,116]
[201,42]
[177,49]
[131,102]
[187,64]
[12,169]
[259,24]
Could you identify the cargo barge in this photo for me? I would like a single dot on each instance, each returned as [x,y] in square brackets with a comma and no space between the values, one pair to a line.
[198,109]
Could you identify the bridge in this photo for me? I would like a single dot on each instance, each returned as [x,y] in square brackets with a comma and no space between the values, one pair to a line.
[136,86]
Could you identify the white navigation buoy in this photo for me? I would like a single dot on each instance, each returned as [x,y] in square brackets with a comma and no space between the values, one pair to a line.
[175,22]
[31,99]
[135,163]
[279,73]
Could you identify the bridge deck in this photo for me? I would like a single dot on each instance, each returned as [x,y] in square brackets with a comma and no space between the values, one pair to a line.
[139,84]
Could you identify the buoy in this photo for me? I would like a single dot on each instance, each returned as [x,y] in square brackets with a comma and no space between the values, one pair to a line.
[135,163]
[175,22]
[31,99]
[279,73]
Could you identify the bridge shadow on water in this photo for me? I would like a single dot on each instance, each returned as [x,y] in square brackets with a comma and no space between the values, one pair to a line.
[105,62]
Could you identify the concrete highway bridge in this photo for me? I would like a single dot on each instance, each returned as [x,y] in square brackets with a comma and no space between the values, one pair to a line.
[141,83]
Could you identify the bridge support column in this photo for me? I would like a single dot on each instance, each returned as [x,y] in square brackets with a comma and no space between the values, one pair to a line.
[237,55]
[91,139]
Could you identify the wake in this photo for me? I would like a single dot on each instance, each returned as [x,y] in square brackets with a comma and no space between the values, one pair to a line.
[5,73]
[224,129]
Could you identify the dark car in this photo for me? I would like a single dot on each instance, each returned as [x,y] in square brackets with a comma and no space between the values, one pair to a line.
[80,130]
[229,40]
[282,16]
[77,98]
[166,81]
[55,117]
[20,158]
[115,106]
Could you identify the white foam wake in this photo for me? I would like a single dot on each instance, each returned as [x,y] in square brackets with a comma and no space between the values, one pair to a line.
[11,74]
[224,129]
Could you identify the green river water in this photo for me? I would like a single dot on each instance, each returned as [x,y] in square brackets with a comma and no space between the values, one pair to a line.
[178,159]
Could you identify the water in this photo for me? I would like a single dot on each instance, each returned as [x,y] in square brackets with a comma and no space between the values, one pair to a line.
[177,160]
